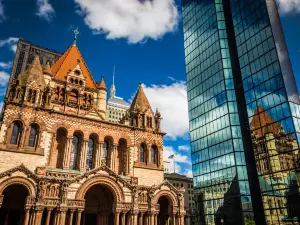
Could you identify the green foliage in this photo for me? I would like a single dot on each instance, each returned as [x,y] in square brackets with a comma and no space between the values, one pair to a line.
[249,222]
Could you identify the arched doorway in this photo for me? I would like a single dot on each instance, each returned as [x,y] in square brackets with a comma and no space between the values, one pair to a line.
[164,215]
[98,206]
[12,210]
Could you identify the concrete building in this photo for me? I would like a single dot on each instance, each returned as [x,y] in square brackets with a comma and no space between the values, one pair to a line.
[117,108]
[181,181]
[62,162]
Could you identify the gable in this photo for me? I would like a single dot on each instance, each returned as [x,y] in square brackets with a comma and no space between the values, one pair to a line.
[66,63]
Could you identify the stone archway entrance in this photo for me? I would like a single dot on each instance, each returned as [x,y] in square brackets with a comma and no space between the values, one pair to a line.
[12,209]
[164,215]
[98,206]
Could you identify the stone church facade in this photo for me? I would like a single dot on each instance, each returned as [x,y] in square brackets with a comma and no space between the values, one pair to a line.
[62,163]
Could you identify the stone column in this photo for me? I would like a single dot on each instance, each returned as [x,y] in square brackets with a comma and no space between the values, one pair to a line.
[123,218]
[117,216]
[83,152]
[78,219]
[67,153]
[152,219]
[26,216]
[62,217]
[174,220]
[71,216]
[135,218]
[112,158]
[181,219]
[38,213]
[49,210]
[155,219]
[141,219]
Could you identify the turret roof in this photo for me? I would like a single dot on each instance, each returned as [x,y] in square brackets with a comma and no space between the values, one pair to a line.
[140,101]
[101,84]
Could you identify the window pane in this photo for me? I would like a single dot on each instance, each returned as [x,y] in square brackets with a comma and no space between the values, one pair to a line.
[15,133]
[73,158]
[33,136]
[89,155]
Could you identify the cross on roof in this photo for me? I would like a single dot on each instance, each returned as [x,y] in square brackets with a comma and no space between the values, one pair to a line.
[76,32]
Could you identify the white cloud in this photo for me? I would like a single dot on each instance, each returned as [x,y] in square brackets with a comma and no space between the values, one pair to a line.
[184,148]
[189,173]
[179,158]
[289,6]
[171,101]
[45,10]
[4,77]
[1,106]
[4,65]
[182,162]
[134,20]
[11,42]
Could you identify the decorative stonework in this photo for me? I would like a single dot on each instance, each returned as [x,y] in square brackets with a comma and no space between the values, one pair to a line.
[55,143]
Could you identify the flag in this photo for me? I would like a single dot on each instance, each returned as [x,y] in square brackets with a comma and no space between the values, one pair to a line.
[171,157]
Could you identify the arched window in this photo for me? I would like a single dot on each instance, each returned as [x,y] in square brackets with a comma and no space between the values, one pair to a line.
[142,153]
[16,133]
[154,154]
[105,150]
[89,154]
[73,98]
[33,135]
[75,147]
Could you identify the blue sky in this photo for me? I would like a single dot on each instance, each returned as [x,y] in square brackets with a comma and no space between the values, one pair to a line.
[144,40]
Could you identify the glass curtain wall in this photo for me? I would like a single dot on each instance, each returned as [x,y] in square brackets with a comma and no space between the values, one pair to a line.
[243,42]
[267,90]
[219,168]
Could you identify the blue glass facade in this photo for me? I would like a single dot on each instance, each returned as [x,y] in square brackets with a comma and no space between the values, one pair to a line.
[243,110]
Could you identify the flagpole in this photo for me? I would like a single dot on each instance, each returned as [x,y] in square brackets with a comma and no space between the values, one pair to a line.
[174,164]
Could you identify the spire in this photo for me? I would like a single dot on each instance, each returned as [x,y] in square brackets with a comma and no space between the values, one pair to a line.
[101,84]
[140,101]
[47,69]
[112,87]
[34,74]
[76,32]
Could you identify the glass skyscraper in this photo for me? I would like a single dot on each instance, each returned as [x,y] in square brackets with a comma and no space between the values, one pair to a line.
[244,113]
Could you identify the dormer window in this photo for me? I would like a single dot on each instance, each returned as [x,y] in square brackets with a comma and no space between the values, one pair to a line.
[77,72]
[80,83]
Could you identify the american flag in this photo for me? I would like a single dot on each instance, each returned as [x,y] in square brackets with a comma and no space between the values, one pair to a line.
[171,156]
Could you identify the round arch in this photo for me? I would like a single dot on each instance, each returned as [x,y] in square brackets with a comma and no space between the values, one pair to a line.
[28,184]
[100,180]
[172,199]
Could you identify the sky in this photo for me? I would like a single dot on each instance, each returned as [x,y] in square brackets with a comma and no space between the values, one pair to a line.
[142,38]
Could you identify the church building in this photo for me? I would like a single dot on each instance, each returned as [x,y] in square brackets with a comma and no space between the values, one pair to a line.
[63,163]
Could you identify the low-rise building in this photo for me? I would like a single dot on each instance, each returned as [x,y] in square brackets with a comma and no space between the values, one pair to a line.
[179,182]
